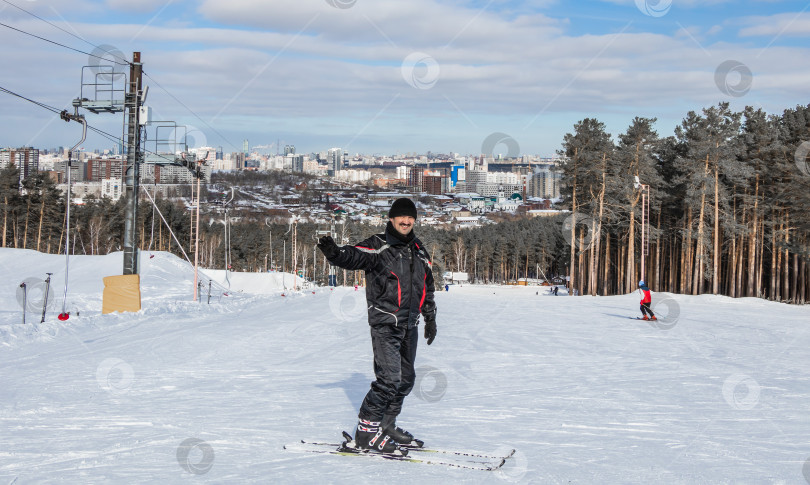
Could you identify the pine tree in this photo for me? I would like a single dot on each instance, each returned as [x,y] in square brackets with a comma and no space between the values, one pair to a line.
[636,156]
[586,152]
[710,146]
[11,199]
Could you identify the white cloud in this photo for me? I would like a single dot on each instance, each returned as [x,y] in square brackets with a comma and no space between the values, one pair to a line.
[299,64]
[676,3]
[785,24]
[140,6]
[714,30]
[411,24]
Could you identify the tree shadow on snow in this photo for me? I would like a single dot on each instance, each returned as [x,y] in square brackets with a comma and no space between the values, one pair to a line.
[627,315]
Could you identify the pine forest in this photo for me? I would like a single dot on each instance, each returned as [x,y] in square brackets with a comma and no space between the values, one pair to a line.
[722,207]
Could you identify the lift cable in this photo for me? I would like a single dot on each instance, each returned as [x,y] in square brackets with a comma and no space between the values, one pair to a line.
[127,63]
[190,110]
[54,42]
[124,61]
[103,133]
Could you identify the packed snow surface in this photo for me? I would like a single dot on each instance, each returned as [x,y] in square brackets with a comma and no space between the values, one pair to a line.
[716,391]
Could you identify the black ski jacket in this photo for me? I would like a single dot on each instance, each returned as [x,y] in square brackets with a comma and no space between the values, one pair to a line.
[399,279]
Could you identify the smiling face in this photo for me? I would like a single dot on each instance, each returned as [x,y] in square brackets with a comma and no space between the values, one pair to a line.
[403,224]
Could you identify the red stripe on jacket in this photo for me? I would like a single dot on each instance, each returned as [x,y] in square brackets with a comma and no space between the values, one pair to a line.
[399,290]
[424,291]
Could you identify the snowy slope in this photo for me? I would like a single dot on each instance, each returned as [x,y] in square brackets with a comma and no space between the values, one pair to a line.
[715,393]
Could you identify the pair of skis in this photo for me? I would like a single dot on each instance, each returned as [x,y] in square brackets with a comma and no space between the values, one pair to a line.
[451,458]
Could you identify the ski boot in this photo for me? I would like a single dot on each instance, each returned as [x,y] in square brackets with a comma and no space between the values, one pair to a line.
[653,318]
[402,437]
[371,437]
[646,317]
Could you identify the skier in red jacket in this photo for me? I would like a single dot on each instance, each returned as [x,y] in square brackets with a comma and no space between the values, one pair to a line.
[646,299]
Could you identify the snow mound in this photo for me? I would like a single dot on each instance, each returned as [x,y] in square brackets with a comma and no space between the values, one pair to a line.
[167,286]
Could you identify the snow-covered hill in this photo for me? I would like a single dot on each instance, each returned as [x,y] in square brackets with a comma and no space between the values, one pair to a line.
[716,392]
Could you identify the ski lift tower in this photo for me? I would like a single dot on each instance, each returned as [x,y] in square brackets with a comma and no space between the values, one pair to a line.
[135,96]
[294,229]
[645,219]
[195,167]
[105,90]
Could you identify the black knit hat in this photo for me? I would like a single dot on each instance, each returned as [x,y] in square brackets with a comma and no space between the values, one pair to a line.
[402,207]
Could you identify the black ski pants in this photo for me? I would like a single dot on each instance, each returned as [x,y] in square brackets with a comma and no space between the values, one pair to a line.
[394,354]
[645,308]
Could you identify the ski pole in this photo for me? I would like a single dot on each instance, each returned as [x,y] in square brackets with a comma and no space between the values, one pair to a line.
[25,302]
[47,289]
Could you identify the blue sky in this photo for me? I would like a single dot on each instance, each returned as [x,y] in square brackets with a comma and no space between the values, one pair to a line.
[387,77]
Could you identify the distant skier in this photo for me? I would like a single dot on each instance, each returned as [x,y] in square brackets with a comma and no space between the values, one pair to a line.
[556,289]
[646,299]
[399,288]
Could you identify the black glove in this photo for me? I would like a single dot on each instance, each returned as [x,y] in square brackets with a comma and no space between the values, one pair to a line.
[328,247]
[430,330]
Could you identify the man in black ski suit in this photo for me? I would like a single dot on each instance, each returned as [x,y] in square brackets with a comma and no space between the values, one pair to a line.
[399,287]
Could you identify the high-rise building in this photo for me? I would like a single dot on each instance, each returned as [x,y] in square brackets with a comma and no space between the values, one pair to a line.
[167,173]
[246,147]
[77,170]
[334,160]
[99,169]
[238,160]
[26,159]
[503,178]
[289,150]
[402,172]
[481,163]
[544,183]
[112,188]
[297,163]
[474,177]
[434,184]
[457,174]
[415,177]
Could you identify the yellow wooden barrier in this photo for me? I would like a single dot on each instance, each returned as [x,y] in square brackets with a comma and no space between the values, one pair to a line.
[122,293]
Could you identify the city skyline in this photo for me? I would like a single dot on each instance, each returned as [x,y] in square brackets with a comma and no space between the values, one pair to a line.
[384,78]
